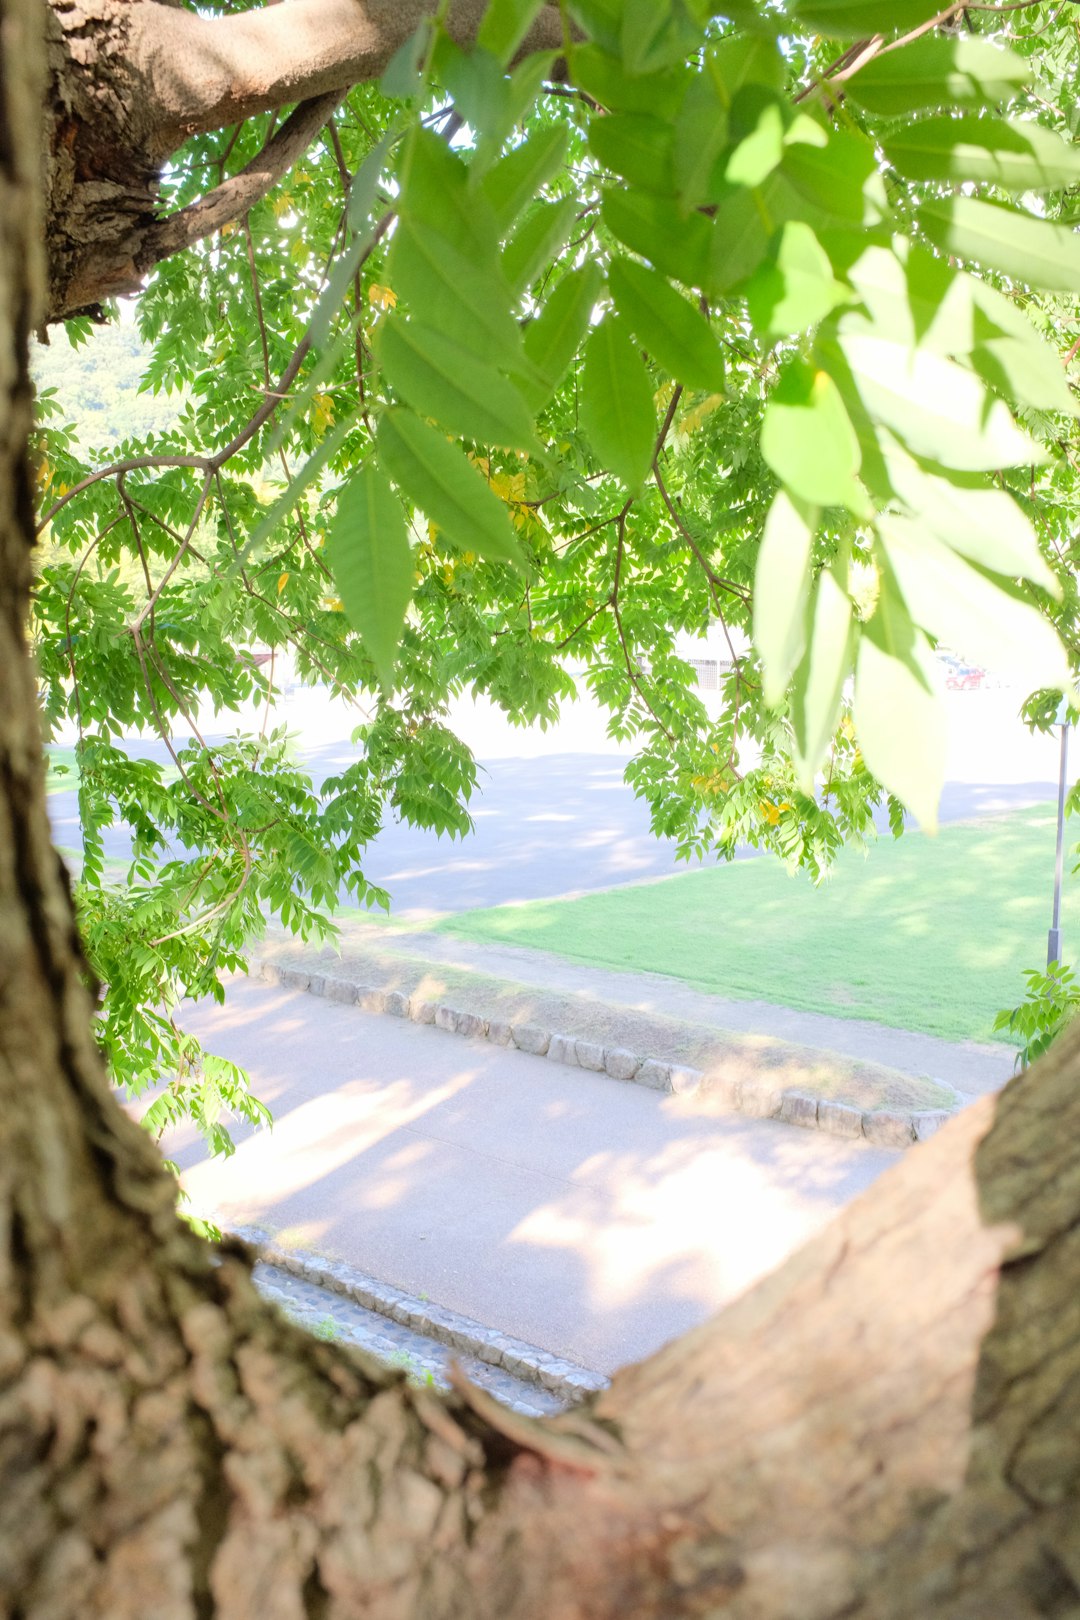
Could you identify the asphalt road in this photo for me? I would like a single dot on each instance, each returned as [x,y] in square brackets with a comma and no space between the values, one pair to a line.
[546,825]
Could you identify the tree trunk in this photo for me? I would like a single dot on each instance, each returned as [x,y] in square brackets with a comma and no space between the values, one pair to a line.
[887,1427]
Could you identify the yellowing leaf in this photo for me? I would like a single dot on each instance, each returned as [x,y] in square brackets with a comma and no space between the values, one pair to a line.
[282,582]
[385,297]
[322,413]
[693,419]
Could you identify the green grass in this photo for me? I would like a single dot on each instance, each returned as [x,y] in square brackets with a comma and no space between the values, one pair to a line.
[928,934]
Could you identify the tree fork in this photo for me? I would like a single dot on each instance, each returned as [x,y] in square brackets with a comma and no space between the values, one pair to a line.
[131,80]
[887,1427]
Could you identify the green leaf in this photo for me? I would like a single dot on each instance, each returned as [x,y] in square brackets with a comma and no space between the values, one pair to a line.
[537,240]
[526,80]
[861,19]
[992,234]
[504,26]
[700,138]
[743,226]
[744,59]
[839,181]
[935,406]
[782,592]
[401,76]
[365,187]
[1007,153]
[601,20]
[808,441]
[973,611]
[1012,357]
[439,378]
[818,688]
[604,78]
[758,153]
[552,340]
[367,551]
[984,525]
[518,177]
[655,228]
[936,71]
[437,198]
[911,297]
[617,410]
[444,484]
[797,288]
[656,34]
[673,331]
[479,86]
[916,298]
[465,301]
[899,718]
[643,25]
[637,147]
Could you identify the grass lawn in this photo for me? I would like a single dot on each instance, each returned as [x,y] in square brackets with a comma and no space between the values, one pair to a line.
[927,934]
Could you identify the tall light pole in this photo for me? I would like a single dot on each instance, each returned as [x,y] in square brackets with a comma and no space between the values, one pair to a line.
[1053,939]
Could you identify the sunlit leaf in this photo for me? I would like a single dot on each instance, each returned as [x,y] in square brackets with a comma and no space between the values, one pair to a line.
[1036,251]
[979,615]
[938,71]
[818,685]
[795,289]
[808,441]
[782,591]
[935,406]
[367,549]
[899,717]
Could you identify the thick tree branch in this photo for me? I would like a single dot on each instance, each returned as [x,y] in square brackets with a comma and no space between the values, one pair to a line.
[205,72]
[235,196]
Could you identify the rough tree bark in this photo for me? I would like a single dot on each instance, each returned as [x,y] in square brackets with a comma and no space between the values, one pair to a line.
[131,80]
[888,1427]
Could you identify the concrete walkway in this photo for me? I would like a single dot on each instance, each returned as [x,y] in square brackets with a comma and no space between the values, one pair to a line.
[973,1068]
[591,1218]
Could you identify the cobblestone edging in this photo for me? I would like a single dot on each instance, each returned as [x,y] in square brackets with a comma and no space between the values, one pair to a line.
[756,1099]
[422,1360]
[524,1362]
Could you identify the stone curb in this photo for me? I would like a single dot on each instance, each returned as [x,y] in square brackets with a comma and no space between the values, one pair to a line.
[523,1361]
[758,1100]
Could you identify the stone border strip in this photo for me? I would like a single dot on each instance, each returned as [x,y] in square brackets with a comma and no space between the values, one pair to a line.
[523,1361]
[758,1100]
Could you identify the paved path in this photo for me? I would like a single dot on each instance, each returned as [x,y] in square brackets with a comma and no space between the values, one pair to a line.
[591,1218]
[972,1067]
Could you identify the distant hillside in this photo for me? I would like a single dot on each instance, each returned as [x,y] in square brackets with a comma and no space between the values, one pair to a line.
[97,386]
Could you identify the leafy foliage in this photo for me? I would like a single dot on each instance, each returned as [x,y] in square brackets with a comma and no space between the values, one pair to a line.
[716,330]
[1051,1002]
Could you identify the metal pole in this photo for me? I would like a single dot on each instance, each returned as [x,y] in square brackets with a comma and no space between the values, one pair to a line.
[1053,941]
